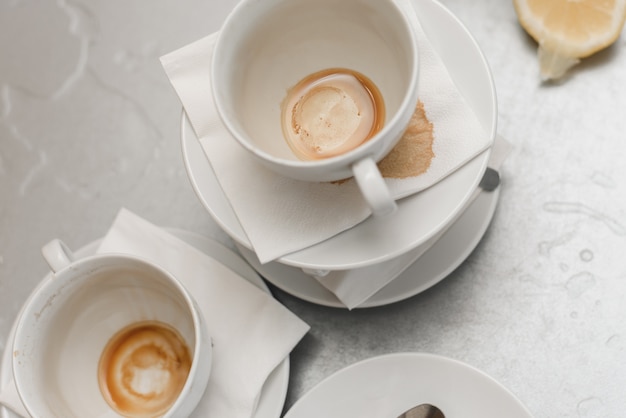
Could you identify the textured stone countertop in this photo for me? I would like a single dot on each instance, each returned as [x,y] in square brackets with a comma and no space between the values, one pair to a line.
[89,123]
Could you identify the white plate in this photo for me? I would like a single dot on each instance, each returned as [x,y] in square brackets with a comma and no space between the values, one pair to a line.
[419,216]
[434,265]
[272,399]
[387,386]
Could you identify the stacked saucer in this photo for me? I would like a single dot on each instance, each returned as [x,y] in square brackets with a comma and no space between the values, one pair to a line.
[385,245]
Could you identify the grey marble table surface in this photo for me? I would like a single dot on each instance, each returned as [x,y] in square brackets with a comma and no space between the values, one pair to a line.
[89,124]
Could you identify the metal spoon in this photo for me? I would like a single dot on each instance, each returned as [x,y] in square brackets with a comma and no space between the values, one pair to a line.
[424,410]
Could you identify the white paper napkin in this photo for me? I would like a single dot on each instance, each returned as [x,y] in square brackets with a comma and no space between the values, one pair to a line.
[281,215]
[251,332]
[356,286]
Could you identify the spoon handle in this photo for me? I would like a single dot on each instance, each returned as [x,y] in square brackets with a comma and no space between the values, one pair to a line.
[490,180]
[424,410]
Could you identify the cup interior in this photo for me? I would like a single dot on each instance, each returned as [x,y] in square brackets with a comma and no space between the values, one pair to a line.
[267,47]
[68,322]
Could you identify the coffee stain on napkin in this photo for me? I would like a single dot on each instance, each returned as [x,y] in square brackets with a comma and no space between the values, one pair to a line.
[413,154]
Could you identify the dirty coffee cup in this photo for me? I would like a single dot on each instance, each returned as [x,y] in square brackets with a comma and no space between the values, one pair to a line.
[109,335]
[318,90]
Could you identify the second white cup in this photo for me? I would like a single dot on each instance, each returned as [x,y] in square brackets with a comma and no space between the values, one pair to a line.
[108,336]
[265,48]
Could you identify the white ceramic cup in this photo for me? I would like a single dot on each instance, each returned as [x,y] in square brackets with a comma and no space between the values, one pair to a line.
[72,315]
[266,47]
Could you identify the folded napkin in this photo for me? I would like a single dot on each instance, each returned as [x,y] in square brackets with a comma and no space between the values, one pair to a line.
[251,332]
[281,215]
[356,286]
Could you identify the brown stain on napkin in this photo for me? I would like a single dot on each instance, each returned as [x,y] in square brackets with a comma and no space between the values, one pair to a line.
[413,154]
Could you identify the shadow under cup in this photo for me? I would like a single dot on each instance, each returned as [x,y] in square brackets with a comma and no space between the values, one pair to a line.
[67,325]
[266,48]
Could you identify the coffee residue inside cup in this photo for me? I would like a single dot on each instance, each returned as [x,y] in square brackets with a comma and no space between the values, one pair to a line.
[143,369]
[331,112]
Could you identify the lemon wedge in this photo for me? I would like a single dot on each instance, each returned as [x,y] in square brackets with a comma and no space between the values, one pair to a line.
[568,30]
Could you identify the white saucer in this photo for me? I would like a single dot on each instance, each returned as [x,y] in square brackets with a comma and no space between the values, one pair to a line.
[387,386]
[433,266]
[420,216]
[274,392]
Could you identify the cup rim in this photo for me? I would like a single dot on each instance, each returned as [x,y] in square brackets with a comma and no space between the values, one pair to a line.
[400,118]
[202,355]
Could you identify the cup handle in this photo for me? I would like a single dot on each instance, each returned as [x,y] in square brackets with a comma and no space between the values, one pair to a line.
[57,255]
[373,187]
